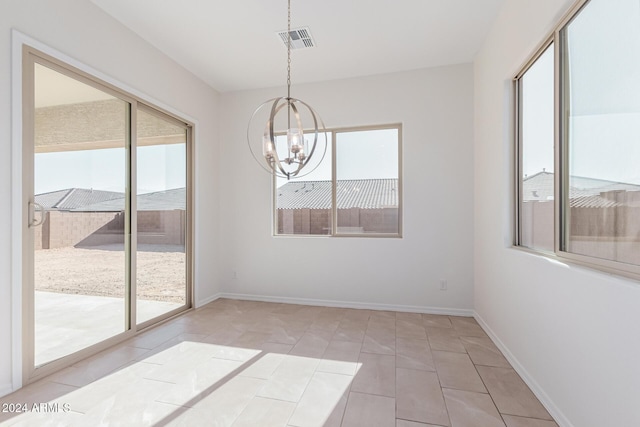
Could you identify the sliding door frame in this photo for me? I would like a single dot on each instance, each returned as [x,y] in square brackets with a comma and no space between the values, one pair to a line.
[29,57]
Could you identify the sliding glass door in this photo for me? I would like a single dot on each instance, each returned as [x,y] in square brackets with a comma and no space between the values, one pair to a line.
[107,218]
[81,142]
[161,201]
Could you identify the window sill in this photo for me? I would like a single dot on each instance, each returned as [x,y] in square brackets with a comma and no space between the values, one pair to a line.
[572,260]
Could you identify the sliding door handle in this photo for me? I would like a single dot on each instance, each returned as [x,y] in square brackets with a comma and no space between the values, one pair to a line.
[32,214]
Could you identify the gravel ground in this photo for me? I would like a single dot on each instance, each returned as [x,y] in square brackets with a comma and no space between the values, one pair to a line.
[100,271]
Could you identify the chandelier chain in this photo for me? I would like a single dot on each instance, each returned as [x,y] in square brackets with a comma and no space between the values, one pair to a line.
[288,48]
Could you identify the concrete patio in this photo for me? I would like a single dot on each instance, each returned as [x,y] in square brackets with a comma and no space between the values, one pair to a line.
[67,323]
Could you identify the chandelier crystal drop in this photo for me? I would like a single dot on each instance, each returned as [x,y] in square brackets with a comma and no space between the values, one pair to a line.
[293,142]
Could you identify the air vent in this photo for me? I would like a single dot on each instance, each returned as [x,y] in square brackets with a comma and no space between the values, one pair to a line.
[300,38]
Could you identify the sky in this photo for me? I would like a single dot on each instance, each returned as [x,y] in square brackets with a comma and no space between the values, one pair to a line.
[537,116]
[361,155]
[369,154]
[604,65]
[160,167]
[604,106]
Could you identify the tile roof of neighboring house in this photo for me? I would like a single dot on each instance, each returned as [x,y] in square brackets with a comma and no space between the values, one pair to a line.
[72,198]
[593,202]
[174,199]
[84,200]
[538,187]
[583,192]
[353,193]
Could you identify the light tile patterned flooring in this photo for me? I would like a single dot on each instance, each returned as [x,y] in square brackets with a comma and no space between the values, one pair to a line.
[241,363]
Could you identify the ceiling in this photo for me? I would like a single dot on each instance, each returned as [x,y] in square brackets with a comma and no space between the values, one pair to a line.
[232,45]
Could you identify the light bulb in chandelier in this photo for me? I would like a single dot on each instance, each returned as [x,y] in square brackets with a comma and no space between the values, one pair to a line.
[268,148]
[295,140]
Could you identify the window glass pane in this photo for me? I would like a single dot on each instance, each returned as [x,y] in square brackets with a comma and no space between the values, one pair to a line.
[162,216]
[367,172]
[303,206]
[79,271]
[602,195]
[536,136]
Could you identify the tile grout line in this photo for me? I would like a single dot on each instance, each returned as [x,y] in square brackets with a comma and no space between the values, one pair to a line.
[490,395]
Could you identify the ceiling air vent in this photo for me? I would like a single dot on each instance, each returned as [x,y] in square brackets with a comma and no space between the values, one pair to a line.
[300,38]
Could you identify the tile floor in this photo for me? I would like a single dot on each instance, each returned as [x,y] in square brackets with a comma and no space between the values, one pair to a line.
[241,363]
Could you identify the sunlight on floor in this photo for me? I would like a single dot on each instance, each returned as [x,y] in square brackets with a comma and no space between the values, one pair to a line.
[190,382]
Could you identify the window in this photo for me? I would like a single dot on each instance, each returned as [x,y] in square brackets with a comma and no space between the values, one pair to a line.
[597,111]
[535,130]
[356,191]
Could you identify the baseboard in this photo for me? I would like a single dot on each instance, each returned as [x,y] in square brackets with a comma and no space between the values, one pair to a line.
[551,407]
[206,301]
[6,389]
[350,304]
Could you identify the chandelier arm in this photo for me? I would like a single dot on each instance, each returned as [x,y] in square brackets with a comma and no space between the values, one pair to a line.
[259,160]
[296,115]
[315,117]
[277,106]
[276,161]
[324,152]
[274,110]
[279,171]
[316,120]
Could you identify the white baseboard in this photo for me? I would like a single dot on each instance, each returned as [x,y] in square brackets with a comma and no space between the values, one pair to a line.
[206,301]
[5,389]
[350,304]
[551,407]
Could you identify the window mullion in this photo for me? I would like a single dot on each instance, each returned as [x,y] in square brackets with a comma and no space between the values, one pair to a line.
[334,185]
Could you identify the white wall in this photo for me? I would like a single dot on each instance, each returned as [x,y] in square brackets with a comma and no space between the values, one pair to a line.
[435,107]
[572,332]
[83,32]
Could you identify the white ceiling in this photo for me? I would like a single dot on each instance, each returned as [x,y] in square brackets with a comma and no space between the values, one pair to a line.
[232,45]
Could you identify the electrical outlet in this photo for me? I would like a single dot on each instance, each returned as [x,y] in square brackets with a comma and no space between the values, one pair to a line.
[443,285]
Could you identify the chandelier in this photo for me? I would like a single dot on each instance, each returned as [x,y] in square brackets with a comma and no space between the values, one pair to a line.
[284,146]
